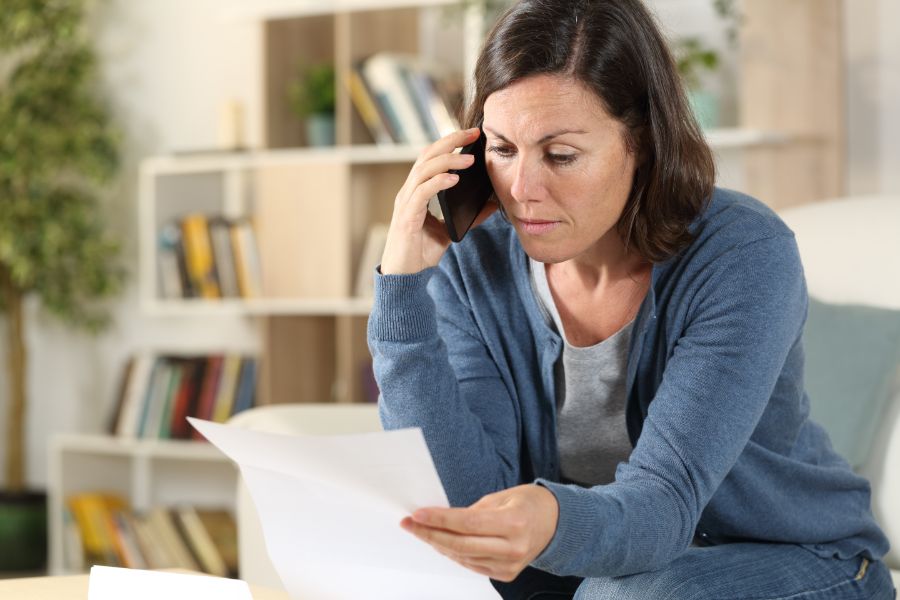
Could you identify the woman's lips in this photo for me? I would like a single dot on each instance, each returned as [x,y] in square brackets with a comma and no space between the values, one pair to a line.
[537,226]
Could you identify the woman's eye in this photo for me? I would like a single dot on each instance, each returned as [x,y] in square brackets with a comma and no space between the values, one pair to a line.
[562,159]
[501,151]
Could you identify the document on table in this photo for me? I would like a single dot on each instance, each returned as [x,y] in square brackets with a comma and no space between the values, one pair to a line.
[113,583]
[330,509]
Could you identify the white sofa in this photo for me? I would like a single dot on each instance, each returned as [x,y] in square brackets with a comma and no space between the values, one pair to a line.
[851,254]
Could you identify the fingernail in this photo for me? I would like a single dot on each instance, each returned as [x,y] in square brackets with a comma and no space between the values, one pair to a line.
[420,516]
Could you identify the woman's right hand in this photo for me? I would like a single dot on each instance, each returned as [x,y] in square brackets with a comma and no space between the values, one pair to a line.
[416,239]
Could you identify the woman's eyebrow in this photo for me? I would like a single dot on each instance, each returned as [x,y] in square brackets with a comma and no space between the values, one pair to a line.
[547,137]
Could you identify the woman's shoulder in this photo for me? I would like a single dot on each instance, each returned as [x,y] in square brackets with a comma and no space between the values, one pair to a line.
[732,214]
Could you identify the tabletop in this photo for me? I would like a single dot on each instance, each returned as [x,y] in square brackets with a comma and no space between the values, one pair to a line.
[75,587]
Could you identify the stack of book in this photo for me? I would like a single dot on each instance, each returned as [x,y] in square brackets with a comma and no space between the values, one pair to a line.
[399,100]
[204,256]
[158,393]
[101,529]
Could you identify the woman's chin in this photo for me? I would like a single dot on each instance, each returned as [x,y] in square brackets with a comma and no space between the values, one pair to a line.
[544,253]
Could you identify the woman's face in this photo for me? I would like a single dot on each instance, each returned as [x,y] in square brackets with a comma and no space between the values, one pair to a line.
[559,165]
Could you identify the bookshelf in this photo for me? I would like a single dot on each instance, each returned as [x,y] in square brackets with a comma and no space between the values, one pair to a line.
[148,473]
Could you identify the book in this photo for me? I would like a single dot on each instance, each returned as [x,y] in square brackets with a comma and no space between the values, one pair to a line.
[130,553]
[231,372]
[206,402]
[223,256]
[154,398]
[73,545]
[198,255]
[164,530]
[370,258]
[246,391]
[246,259]
[368,110]
[184,402]
[434,109]
[174,281]
[135,395]
[222,530]
[199,541]
[161,429]
[121,394]
[92,511]
[152,548]
[384,76]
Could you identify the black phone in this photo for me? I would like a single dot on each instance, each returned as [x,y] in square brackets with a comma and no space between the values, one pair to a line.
[462,203]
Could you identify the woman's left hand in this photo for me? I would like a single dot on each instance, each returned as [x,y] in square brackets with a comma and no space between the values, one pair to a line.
[498,536]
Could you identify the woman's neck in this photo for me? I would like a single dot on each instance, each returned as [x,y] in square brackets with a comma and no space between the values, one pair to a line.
[606,263]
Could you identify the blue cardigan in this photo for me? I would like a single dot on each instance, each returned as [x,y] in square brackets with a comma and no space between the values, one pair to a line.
[716,409]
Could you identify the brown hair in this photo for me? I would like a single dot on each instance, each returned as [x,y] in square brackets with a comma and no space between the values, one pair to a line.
[615,48]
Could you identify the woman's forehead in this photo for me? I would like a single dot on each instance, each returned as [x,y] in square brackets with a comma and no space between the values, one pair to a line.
[540,104]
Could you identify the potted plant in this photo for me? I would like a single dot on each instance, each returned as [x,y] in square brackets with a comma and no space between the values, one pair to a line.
[312,98]
[693,57]
[56,146]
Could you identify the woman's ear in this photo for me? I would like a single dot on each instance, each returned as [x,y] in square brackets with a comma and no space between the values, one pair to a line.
[636,144]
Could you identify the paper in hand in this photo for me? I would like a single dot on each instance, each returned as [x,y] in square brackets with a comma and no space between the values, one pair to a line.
[330,509]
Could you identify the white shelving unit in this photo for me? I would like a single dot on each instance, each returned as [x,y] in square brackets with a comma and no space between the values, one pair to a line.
[148,473]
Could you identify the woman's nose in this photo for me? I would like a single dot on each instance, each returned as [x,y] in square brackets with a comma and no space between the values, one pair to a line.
[526,181]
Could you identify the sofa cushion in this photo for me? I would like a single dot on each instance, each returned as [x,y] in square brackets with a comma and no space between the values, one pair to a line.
[852,361]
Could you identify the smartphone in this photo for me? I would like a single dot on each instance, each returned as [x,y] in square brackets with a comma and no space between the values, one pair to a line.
[462,203]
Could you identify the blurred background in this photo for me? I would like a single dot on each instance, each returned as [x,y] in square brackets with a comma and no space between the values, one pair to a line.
[235,162]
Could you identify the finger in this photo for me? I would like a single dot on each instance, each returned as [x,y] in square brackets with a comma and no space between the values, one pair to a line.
[450,142]
[473,521]
[459,546]
[442,163]
[415,205]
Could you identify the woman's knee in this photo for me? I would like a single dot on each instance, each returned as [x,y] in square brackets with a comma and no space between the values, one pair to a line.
[634,587]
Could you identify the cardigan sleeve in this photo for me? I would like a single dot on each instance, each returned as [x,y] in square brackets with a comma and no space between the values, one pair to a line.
[434,372]
[745,316]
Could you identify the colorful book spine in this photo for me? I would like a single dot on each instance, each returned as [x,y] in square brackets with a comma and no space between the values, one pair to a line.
[199,255]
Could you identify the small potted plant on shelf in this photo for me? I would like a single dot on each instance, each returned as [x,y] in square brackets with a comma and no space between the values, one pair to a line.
[312,98]
[694,58]
[56,147]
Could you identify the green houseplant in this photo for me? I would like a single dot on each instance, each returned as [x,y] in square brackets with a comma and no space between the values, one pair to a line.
[693,57]
[56,148]
[312,98]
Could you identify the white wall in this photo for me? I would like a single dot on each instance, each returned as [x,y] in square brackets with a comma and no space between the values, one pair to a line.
[889,105]
[872,67]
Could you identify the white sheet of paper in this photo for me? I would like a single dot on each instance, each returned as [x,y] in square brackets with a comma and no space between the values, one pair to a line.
[331,506]
[113,583]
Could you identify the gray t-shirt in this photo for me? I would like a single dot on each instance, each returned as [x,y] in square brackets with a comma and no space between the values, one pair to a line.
[590,397]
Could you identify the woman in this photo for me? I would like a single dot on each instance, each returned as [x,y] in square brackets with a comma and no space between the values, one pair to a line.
[608,372]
